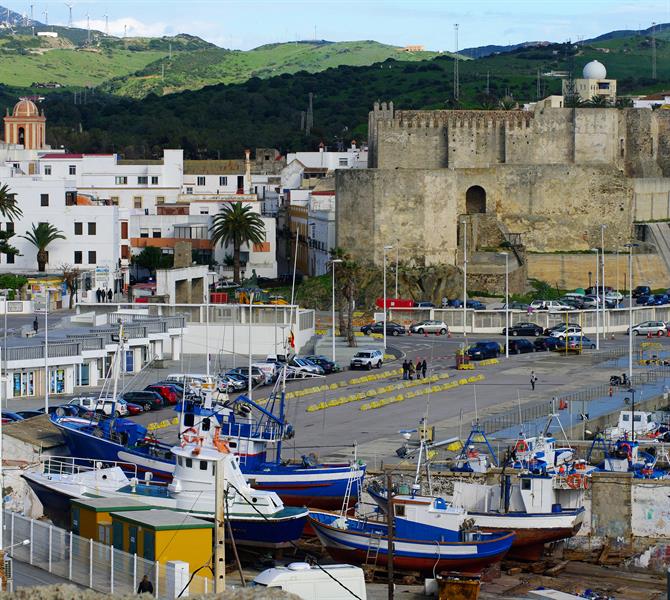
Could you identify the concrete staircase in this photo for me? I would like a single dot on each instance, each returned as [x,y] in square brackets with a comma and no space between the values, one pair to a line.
[659,235]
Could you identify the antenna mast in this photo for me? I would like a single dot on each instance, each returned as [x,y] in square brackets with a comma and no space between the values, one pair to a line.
[653,50]
[106,24]
[456,76]
[88,29]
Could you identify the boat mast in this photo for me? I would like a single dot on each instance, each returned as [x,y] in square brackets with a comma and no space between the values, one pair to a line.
[389,536]
[116,368]
[219,529]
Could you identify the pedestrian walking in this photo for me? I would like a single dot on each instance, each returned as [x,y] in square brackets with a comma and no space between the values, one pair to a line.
[533,379]
[405,369]
[97,295]
[411,370]
[145,587]
[36,325]
[424,368]
[109,295]
[418,369]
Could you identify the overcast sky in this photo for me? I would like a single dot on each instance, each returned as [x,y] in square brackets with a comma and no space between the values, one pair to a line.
[244,25]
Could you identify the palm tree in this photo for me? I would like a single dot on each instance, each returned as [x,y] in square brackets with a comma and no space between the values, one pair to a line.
[8,206]
[40,237]
[237,224]
[348,273]
[597,101]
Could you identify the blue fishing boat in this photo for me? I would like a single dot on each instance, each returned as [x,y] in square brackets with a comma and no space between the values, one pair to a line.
[626,456]
[250,428]
[416,546]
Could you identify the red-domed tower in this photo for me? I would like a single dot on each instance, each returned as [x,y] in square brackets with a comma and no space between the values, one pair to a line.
[26,126]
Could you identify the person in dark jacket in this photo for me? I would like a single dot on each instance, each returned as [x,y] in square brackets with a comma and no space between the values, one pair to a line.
[411,370]
[145,587]
[424,368]
[109,295]
[405,369]
[418,368]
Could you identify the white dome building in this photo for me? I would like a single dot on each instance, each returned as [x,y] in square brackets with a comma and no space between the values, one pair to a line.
[594,70]
[593,84]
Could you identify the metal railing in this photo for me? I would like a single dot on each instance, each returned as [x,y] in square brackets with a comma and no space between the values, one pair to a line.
[88,563]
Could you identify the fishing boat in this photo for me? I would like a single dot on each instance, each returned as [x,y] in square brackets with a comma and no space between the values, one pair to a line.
[540,508]
[257,517]
[416,546]
[626,456]
[251,430]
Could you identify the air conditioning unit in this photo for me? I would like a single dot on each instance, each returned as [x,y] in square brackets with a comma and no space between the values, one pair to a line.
[9,571]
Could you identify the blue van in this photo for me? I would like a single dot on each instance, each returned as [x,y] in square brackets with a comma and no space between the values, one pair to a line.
[482,350]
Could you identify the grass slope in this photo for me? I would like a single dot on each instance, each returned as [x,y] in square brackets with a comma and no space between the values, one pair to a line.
[194,70]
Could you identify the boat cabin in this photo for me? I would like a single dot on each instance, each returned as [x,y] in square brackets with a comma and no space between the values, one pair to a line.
[411,511]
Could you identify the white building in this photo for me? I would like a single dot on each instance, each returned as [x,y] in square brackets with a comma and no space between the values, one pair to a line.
[593,83]
[661,99]
[352,158]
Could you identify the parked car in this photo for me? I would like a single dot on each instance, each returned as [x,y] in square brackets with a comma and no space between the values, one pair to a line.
[425,304]
[524,329]
[134,409]
[521,346]
[367,359]
[105,406]
[167,392]
[658,300]
[515,306]
[10,417]
[482,350]
[69,410]
[257,376]
[642,299]
[304,367]
[594,291]
[546,343]
[147,400]
[647,327]
[614,296]
[566,332]
[429,327]
[325,363]
[641,290]
[574,302]
[456,303]
[232,382]
[270,370]
[29,414]
[580,341]
[475,305]
[550,305]
[378,327]
[560,327]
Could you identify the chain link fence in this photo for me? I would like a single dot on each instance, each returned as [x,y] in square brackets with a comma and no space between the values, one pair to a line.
[88,563]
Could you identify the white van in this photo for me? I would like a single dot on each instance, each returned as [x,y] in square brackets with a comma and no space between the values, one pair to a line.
[311,583]
[195,380]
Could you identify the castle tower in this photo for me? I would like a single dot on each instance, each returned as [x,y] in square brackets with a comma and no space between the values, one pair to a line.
[26,126]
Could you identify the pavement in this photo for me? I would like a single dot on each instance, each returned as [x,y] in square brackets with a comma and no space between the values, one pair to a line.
[26,575]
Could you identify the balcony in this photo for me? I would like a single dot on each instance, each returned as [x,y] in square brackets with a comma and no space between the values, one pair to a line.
[170,243]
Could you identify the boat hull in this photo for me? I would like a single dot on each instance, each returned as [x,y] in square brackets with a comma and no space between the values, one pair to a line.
[426,556]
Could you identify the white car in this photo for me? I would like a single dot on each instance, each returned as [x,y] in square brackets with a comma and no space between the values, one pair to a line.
[367,359]
[561,334]
[613,297]
[653,327]
[550,305]
[106,406]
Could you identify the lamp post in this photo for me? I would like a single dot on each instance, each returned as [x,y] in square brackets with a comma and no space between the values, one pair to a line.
[602,277]
[396,268]
[333,263]
[630,309]
[506,255]
[465,278]
[385,249]
[597,300]
[46,352]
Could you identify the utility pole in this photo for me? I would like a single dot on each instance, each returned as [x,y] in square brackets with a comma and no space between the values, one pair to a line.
[219,530]
[539,86]
[456,76]
[488,83]
[653,50]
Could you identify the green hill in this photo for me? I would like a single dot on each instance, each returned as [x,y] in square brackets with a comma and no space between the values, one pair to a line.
[194,70]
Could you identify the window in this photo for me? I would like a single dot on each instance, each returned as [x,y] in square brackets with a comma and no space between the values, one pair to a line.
[201,180]
[72,169]
[47,169]
[10,259]
[343,162]
[92,257]
[125,252]
[204,211]
[91,229]
[44,199]
[77,257]
[9,227]
[137,202]
[142,180]
[189,463]
[156,233]
[399,510]
[154,180]
[525,483]
[121,180]
[189,190]
[203,465]
[124,230]
[144,233]
[115,200]
[78,228]
[160,199]
[223,181]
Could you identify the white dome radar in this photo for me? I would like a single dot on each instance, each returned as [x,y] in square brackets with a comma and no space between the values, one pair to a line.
[594,70]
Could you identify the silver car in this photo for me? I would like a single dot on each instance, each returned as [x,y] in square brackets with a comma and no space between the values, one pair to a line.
[430,327]
[646,327]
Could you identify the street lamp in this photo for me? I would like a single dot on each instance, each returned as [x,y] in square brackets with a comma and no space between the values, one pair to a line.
[506,255]
[397,249]
[46,352]
[630,308]
[465,277]
[602,278]
[385,249]
[597,301]
[334,262]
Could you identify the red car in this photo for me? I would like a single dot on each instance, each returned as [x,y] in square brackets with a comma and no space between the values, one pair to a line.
[168,394]
[134,409]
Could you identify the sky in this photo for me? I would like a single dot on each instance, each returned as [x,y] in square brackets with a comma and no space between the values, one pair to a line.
[245,25]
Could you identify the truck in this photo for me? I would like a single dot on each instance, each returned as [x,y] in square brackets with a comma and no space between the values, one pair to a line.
[311,583]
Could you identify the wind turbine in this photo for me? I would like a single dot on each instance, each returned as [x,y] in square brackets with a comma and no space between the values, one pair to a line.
[46,15]
[69,6]
[106,24]
[88,29]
